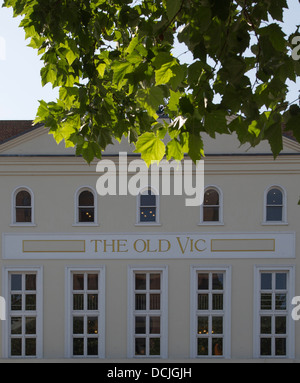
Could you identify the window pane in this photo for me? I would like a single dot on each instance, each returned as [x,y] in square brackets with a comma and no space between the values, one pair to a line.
[217,325]
[147,214]
[78,282]
[202,301]
[280,325]
[92,281]
[274,197]
[217,280]
[86,198]
[266,281]
[217,302]
[140,325]
[92,325]
[30,346]
[154,281]
[202,346]
[16,325]
[86,215]
[16,302]
[23,214]
[210,214]
[92,302]
[16,346]
[140,281]
[154,344]
[211,197]
[78,302]
[23,198]
[280,301]
[16,282]
[265,346]
[30,325]
[92,346]
[280,346]
[78,325]
[154,301]
[140,346]
[154,325]
[148,199]
[202,281]
[30,302]
[140,301]
[280,281]
[202,325]
[217,346]
[274,213]
[265,325]
[266,302]
[78,346]
[30,282]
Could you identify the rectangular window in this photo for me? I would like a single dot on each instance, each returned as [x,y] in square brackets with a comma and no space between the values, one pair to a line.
[273,313]
[86,315]
[148,313]
[24,320]
[210,313]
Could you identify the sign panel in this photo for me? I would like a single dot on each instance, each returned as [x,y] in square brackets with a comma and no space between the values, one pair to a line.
[148,246]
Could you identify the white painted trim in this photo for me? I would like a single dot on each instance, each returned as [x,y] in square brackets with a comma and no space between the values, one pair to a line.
[284,206]
[101,308]
[138,200]
[221,220]
[13,207]
[194,269]
[6,270]
[76,206]
[164,309]
[256,304]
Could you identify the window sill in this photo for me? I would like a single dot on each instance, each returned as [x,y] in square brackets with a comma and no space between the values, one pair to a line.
[20,224]
[274,223]
[82,224]
[211,224]
[147,224]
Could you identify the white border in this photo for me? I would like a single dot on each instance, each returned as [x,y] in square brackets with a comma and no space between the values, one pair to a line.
[76,206]
[13,207]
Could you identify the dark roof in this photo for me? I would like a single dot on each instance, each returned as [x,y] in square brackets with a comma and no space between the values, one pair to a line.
[10,129]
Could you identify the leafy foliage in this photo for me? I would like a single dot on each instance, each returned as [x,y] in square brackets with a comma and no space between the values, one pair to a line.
[112,61]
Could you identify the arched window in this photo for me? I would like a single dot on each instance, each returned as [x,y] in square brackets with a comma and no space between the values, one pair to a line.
[148,209]
[85,204]
[211,209]
[22,206]
[275,205]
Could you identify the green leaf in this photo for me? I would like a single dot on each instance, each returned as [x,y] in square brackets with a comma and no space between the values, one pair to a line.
[164,74]
[152,148]
[174,150]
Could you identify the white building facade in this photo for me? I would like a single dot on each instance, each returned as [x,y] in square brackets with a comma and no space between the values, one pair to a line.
[126,278]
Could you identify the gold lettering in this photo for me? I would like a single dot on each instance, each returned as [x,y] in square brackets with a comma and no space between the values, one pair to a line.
[96,244]
[160,241]
[144,245]
[181,247]
[109,244]
[120,244]
[148,247]
[204,245]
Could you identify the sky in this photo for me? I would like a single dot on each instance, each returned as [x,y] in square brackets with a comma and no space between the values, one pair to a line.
[20,82]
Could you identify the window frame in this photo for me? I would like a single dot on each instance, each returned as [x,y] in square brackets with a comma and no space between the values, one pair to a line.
[283,206]
[157,206]
[14,207]
[77,206]
[132,271]
[69,271]
[6,272]
[212,223]
[290,323]
[195,270]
